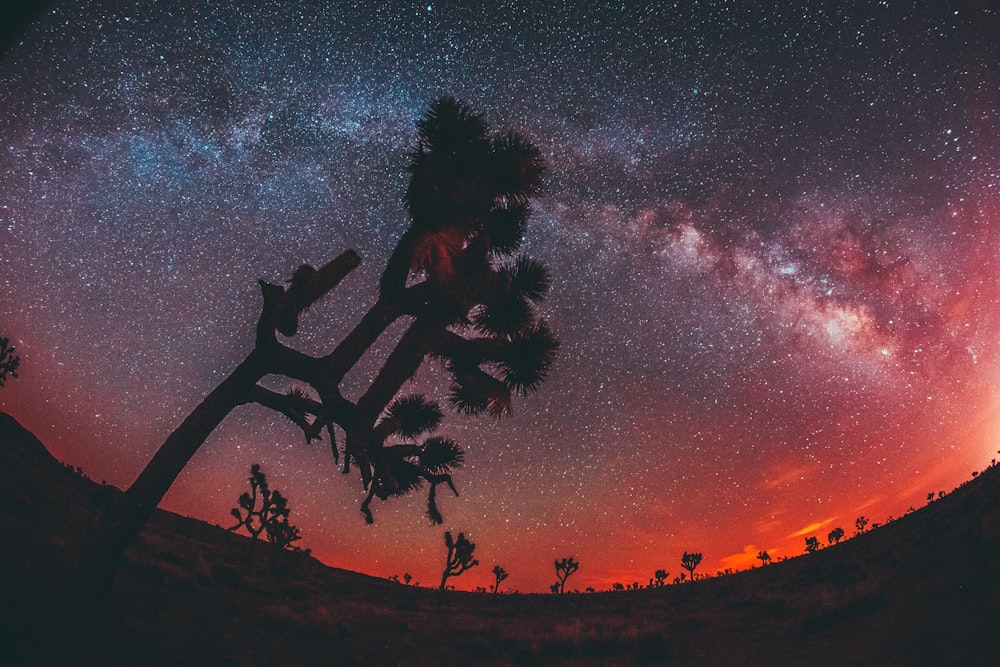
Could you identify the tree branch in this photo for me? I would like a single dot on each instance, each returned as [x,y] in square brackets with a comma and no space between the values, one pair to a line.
[386,310]
[402,363]
[295,408]
[282,307]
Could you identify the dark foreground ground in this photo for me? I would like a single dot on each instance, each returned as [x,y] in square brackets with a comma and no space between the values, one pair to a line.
[922,590]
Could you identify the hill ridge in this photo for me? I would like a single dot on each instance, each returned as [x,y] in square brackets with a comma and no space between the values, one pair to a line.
[921,589]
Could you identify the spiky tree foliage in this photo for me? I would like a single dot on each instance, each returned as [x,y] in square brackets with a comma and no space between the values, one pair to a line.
[836,535]
[812,544]
[661,578]
[564,568]
[690,561]
[860,524]
[764,558]
[459,557]
[281,534]
[469,300]
[500,575]
[8,360]
[263,511]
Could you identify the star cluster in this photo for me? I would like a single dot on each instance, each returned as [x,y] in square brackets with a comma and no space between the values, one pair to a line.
[772,230]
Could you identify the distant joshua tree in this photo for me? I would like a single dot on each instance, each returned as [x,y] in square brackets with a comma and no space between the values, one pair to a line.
[860,524]
[812,544]
[281,534]
[500,574]
[764,558]
[690,561]
[661,577]
[264,511]
[617,586]
[407,578]
[836,535]
[459,557]
[564,568]
[8,360]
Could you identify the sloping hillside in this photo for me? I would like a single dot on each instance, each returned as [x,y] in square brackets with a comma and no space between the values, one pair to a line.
[922,590]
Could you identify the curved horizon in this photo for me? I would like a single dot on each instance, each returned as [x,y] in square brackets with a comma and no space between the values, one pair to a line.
[772,234]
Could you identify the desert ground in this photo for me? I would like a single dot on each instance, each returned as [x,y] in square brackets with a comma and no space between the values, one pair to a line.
[923,589]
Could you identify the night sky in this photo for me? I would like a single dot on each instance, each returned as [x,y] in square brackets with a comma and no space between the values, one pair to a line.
[772,230]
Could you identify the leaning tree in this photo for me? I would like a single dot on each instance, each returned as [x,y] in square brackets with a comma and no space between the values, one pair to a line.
[468,301]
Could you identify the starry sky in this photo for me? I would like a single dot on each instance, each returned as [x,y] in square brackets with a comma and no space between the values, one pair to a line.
[772,230]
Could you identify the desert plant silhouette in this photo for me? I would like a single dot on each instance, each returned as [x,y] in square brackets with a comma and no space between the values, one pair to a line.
[690,561]
[469,302]
[281,534]
[500,575]
[661,577]
[459,557]
[263,510]
[564,568]
[836,535]
[812,544]
[764,558]
[860,524]
[8,360]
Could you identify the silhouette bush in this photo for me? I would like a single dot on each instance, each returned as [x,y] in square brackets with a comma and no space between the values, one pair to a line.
[812,544]
[8,360]
[836,535]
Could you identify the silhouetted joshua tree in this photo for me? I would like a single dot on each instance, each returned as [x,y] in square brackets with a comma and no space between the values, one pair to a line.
[836,535]
[459,557]
[500,574]
[860,524]
[812,544]
[564,568]
[467,300]
[690,561]
[661,577]
[764,558]
[8,360]
[281,534]
[263,510]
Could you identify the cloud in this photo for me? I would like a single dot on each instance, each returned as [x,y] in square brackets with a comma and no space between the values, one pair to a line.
[783,475]
[745,558]
[813,527]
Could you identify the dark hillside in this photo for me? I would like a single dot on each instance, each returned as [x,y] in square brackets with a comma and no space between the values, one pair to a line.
[923,589]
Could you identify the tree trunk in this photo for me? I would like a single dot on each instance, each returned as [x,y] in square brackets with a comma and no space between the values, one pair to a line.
[119,523]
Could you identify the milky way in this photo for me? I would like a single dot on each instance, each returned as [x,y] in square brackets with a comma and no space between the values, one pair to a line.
[772,231]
